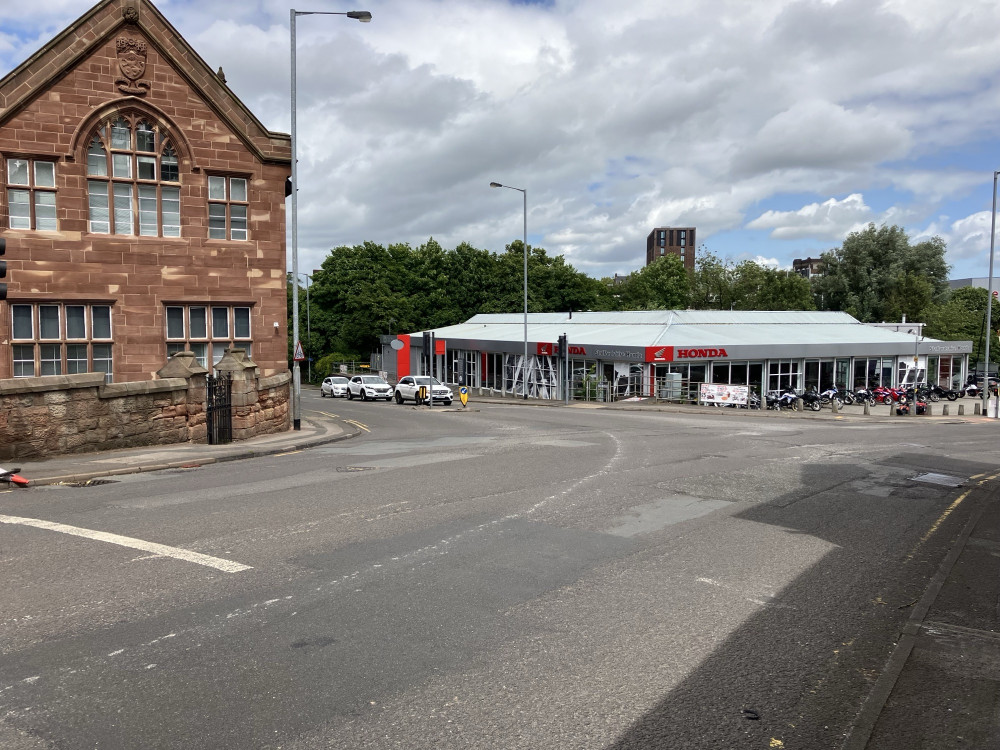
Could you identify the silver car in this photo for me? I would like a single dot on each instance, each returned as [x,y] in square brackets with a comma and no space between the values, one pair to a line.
[334,386]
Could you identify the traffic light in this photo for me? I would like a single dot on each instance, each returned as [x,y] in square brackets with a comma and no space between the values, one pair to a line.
[3,269]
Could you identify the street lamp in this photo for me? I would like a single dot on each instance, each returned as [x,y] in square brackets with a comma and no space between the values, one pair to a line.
[989,301]
[364,17]
[524,367]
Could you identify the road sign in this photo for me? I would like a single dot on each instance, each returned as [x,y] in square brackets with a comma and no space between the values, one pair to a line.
[463,393]
[299,354]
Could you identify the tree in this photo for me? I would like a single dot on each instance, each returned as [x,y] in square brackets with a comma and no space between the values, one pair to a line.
[961,318]
[662,285]
[712,286]
[757,287]
[876,275]
[369,290]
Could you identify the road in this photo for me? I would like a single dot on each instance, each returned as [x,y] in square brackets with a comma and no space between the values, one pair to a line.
[496,577]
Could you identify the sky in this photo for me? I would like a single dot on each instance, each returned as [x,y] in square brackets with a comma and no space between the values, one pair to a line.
[775,127]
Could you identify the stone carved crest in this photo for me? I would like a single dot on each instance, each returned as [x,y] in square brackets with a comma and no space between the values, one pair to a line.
[132,61]
[130,14]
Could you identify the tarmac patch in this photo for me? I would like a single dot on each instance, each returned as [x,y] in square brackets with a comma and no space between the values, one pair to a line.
[661,513]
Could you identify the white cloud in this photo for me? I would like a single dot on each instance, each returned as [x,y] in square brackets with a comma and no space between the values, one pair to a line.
[768,262]
[967,239]
[833,219]
[694,113]
[816,134]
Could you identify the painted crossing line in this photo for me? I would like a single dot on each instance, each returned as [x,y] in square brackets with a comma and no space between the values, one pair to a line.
[227,566]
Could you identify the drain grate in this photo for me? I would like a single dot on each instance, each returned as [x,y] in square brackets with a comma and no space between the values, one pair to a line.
[942,479]
[355,468]
[91,483]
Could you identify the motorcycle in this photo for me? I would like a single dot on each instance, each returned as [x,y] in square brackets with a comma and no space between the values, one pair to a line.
[773,401]
[886,395]
[904,408]
[811,400]
[786,399]
[863,395]
[936,393]
[829,395]
[842,396]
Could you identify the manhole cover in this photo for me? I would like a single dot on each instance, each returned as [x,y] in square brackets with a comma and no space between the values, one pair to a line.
[91,483]
[942,479]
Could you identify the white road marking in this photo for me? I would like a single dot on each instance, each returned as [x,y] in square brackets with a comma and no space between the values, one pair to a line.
[162,550]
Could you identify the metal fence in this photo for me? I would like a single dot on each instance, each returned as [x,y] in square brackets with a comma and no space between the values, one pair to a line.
[665,389]
[219,409]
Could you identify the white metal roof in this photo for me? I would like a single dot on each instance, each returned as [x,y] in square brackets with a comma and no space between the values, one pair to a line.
[678,328]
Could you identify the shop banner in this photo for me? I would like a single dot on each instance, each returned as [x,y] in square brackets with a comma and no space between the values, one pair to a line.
[723,393]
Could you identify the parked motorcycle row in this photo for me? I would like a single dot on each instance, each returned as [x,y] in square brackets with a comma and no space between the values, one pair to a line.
[815,400]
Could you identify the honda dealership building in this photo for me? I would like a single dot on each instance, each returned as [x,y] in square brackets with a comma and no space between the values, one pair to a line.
[647,353]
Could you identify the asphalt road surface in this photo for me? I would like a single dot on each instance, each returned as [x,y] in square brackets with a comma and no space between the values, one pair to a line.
[495,577]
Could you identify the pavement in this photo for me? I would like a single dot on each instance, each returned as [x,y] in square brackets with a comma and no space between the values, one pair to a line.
[939,689]
[81,467]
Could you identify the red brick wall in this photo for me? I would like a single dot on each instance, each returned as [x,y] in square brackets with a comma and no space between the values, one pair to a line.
[138,275]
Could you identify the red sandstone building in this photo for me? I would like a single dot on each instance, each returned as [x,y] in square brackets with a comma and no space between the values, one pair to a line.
[679,241]
[143,206]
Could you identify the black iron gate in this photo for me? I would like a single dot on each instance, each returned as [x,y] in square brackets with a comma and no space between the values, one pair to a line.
[219,409]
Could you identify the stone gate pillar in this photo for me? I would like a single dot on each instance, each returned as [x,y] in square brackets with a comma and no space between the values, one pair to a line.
[244,372]
[184,365]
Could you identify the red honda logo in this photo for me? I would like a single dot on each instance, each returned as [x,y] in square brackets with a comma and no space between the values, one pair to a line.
[659,354]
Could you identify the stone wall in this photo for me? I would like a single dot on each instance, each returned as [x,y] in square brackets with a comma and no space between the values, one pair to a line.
[59,414]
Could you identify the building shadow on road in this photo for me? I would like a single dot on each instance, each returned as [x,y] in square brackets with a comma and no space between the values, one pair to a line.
[796,672]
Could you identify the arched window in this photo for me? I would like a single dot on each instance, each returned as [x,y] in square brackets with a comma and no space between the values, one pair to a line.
[133,181]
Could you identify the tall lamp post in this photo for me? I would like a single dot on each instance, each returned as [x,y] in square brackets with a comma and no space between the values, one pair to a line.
[989,302]
[358,15]
[524,367]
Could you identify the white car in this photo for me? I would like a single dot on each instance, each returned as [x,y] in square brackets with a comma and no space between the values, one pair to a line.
[407,389]
[335,385]
[369,387]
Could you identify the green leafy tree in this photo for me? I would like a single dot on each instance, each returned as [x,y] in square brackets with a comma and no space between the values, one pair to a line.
[369,290]
[758,287]
[713,285]
[662,285]
[961,318]
[876,275]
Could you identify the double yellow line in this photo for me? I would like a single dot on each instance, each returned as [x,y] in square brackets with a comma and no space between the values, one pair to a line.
[983,479]
[359,425]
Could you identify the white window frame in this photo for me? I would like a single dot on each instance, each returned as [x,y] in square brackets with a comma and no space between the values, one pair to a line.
[39,196]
